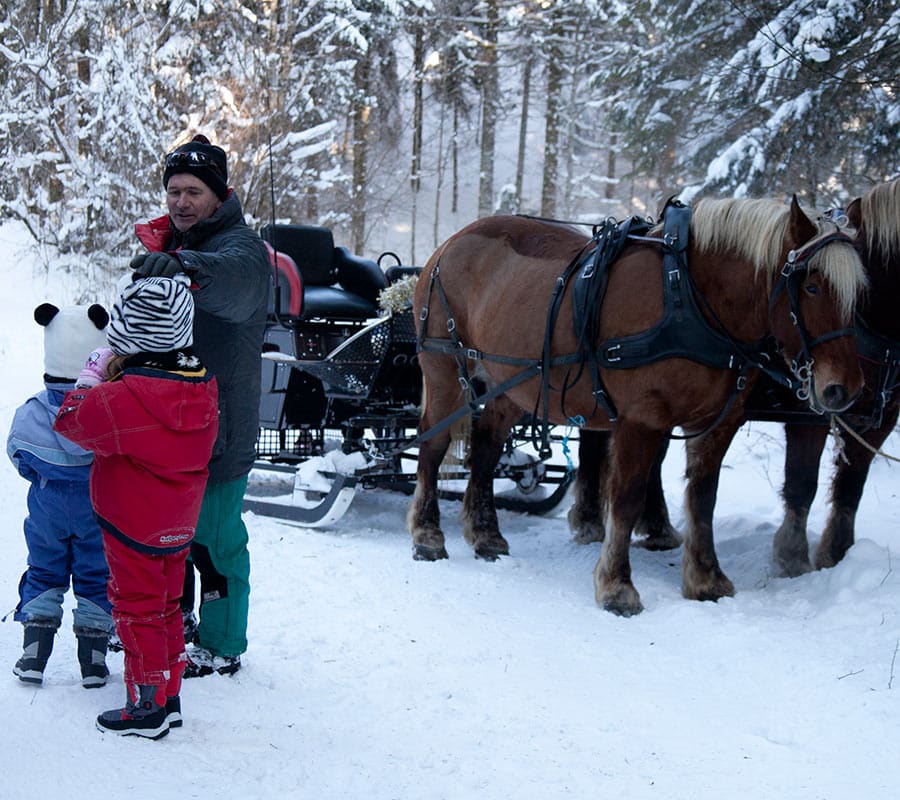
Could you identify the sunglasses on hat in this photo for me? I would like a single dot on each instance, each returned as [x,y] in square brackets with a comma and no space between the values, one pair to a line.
[190,158]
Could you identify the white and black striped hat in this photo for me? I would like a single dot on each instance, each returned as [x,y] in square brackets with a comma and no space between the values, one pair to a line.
[152,315]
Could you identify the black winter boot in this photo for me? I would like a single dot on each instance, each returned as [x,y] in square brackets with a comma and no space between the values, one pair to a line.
[189,620]
[173,711]
[36,649]
[144,717]
[92,644]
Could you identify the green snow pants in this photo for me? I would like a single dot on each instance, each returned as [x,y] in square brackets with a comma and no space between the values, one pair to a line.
[219,552]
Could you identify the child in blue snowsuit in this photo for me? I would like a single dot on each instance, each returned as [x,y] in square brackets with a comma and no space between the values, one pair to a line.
[63,538]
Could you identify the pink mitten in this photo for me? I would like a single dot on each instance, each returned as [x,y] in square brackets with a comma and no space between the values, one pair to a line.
[94,370]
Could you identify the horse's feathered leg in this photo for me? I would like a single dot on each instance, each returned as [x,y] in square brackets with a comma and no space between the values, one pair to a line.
[803,451]
[440,392]
[479,515]
[702,578]
[587,513]
[589,509]
[654,525]
[634,448]
[846,492]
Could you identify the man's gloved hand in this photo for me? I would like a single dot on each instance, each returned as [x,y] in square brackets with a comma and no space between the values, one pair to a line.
[94,369]
[155,265]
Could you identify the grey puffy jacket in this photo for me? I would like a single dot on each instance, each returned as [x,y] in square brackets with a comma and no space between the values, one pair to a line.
[229,264]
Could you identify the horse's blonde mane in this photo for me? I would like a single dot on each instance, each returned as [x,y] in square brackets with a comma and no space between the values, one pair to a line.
[755,230]
[881,218]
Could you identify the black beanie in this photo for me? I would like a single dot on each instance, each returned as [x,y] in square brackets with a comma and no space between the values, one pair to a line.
[209,164]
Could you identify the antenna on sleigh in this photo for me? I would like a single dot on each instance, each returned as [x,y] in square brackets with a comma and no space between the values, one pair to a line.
[276,288]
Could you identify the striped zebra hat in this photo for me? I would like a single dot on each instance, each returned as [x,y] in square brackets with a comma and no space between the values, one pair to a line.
[152,315]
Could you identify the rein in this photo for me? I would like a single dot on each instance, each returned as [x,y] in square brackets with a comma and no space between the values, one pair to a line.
[836,418]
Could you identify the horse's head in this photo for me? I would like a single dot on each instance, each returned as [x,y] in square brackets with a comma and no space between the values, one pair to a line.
[811,309]
[876,218]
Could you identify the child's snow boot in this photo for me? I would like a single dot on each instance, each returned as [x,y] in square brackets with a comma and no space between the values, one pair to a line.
[142,717]
[36,649]
[173,711]
[92,644]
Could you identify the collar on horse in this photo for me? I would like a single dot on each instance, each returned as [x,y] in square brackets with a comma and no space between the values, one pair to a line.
[683,331]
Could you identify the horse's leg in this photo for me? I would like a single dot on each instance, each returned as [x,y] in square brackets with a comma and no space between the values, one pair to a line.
[846,492]
[803,452]
[634,447]
[440,396]
[702,578]
[479,515]
[587,512]
[654,524]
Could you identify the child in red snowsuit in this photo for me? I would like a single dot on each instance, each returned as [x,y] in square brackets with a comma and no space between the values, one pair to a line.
[147,408]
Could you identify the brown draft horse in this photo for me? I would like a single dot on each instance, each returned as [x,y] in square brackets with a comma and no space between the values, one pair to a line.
[876,220]
[490,284]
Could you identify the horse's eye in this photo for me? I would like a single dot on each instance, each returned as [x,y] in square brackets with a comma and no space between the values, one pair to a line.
[812,288]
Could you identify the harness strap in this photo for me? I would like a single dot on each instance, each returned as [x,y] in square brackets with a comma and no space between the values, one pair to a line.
[885,353]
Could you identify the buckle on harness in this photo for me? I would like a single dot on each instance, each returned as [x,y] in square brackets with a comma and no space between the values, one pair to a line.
[612,353]
[473,354]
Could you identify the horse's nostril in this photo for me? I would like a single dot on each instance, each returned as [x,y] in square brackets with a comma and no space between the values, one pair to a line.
[835,397]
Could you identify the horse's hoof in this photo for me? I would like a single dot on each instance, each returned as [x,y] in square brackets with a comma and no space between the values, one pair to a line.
[492,550]
[666,539]
[792,567]
[622,609]
[589,534]
[713,590]
[623,602]
[422,552]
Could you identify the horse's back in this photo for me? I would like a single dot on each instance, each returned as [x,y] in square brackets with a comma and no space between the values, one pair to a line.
[542,243]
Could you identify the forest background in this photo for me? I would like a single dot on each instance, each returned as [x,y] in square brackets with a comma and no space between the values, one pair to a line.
[395,122]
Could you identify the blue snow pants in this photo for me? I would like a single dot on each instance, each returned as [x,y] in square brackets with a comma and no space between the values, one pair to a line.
[64,544]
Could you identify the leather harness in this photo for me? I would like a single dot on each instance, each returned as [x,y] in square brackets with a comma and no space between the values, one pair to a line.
[682,332]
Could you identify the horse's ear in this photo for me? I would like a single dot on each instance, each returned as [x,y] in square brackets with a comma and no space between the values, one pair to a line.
[854,213]
[802,227]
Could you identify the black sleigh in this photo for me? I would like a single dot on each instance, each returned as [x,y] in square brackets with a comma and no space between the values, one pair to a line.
[341,388]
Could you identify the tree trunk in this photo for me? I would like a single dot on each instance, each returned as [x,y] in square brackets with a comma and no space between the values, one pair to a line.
[551,132]
[611,155]
[415,167]
[360,114]
[489,91]
[523,132]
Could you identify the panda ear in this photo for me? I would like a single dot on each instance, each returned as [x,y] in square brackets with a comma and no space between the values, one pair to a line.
[99,316]
[44,313]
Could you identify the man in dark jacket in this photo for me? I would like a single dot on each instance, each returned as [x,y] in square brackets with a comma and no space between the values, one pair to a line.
[204,235]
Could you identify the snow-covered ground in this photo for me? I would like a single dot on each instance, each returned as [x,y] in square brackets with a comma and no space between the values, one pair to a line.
[373,676]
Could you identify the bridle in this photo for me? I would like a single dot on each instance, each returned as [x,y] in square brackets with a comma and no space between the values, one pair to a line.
[794,271]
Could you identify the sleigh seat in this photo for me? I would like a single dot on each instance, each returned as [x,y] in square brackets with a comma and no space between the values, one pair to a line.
[319,281]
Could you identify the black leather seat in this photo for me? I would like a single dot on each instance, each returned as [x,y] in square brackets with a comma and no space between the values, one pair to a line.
[335,283]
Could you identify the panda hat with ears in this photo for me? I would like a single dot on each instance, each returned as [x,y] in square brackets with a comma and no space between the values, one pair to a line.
[71,333]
